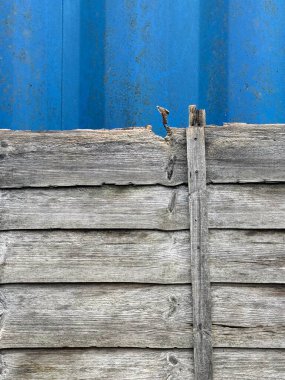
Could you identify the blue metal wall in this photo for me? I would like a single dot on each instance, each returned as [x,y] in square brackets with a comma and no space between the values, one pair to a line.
[68,64]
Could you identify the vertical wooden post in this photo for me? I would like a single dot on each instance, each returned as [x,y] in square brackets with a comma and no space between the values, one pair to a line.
[199,240]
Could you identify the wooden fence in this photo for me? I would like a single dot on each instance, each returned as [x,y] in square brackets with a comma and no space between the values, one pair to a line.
[97,260]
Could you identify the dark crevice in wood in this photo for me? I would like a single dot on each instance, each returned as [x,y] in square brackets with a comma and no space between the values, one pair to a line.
[90,284]
[92,348]
[103,185]
[92,230]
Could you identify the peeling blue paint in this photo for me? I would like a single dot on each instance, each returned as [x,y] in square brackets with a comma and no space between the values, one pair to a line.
[68,64]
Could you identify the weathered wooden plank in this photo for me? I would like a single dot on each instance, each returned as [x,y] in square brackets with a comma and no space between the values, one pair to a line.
[201,295]
[245,153]
[248,316]
[157,316]
[247,206]
[95,256]
[138,364]
[94,157]
[232,364]
[97,364]
[85,315]
[234,153]
[146,207]
[249,256]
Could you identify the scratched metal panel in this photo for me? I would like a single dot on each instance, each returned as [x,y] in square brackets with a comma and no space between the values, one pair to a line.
[83,89]
[242,60]
[68,64]
[151,58]
[30,64]
[128,58]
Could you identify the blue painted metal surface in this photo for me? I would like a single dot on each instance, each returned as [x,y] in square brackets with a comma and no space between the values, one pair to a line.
[68,64]
[30,64]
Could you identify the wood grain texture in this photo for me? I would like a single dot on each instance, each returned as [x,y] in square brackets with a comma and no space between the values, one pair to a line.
[243,256]
[96,315]
[247,206]
[201,295]
[138,364]
[242,364]
[142,207]
[157,316]
[93,157]
[145,207]
[234,153]
[94,364]
[247,256]
[245,153]
[248,316]
[95,256]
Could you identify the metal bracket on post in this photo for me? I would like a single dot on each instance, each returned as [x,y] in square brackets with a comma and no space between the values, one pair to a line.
[201,292]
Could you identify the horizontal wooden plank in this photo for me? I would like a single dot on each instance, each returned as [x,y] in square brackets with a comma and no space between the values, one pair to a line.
[249,256]
[94,364]
[245,153]
[156,316]
[96,315]
[234,153]
[247,206]
[138,364]
[142,207]
[95,157]
[233,364]
[95,256]
[248,316]
[145,207]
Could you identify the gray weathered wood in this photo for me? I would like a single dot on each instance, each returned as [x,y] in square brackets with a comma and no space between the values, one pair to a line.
[92,158]
[247,206]
[201,296]
[144,207]
[245,153]
[248,256]
[137,364]
[148,207]
[94,364]
[95,256]
[248,316]
[232,364]
[102,315]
